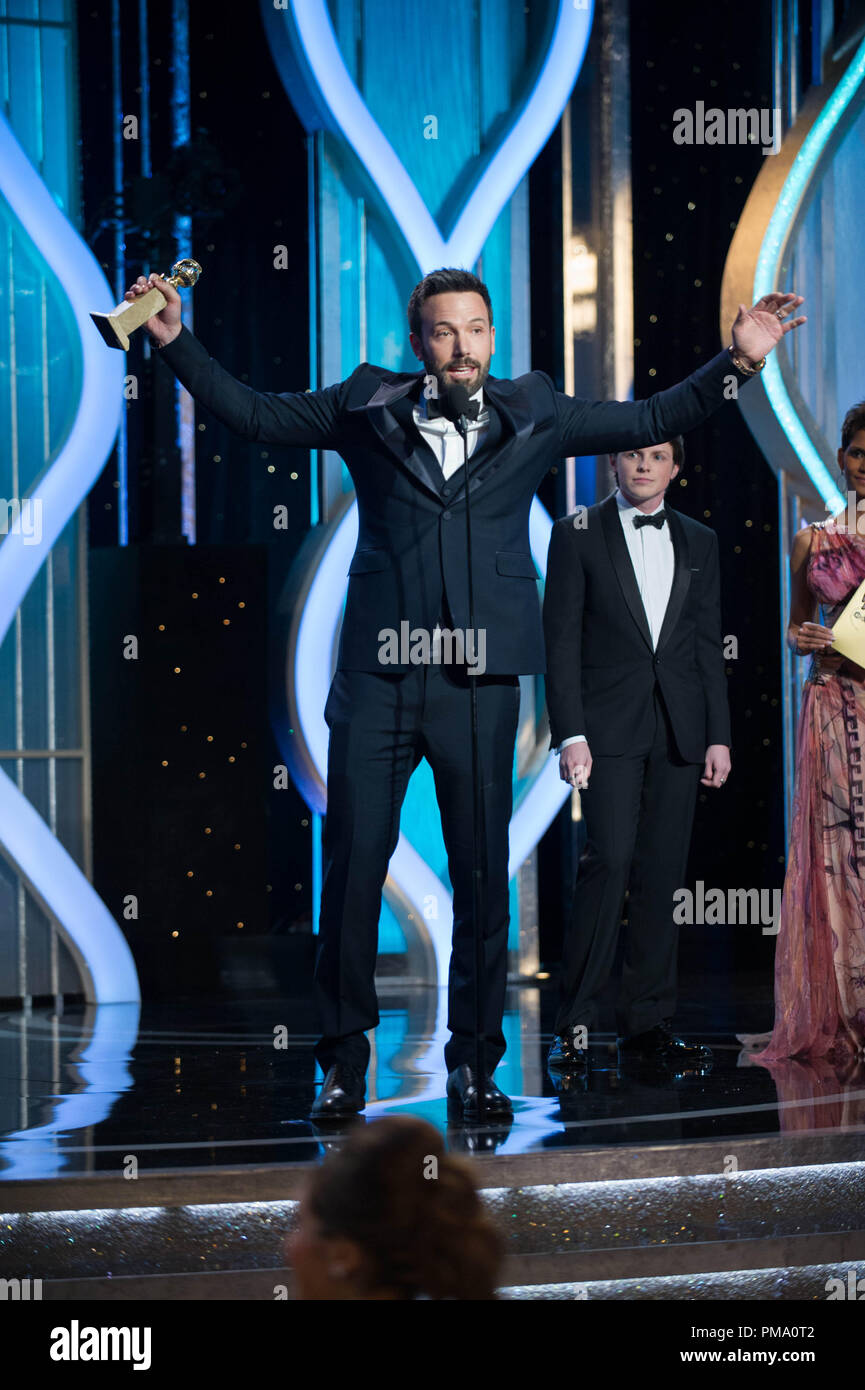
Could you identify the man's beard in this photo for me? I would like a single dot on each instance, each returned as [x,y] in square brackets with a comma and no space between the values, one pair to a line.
[444,382]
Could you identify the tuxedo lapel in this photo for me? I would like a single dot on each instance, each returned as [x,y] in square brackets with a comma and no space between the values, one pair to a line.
[681,576]
[511,423]
[390,414]
[624,570]
[621,561]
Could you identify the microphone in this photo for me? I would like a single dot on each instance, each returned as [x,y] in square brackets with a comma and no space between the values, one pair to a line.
[456,405]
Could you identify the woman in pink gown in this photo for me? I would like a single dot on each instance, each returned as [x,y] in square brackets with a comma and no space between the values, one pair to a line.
[820,950]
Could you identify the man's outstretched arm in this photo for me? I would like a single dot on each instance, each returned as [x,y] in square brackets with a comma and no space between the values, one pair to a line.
[599,427]
[308,419]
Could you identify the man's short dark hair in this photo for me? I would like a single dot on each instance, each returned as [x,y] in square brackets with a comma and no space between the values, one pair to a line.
[854,421]
[448,280]
[677,444]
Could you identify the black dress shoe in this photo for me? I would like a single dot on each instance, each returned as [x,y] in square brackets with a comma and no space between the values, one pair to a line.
[462,1091]
[659,1044]
[564,1055]
[343,1093]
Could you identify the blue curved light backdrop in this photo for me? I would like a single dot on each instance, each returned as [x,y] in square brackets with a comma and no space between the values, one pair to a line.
[94,937]
[772,250]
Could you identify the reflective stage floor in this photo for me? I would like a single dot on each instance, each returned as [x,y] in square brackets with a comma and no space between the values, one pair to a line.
[195,1084]
[160,1153]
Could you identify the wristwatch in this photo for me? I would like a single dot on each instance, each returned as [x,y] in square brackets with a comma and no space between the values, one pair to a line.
[743,367]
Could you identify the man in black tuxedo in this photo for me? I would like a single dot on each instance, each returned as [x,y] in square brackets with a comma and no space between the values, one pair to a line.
[637,700]
[410,566]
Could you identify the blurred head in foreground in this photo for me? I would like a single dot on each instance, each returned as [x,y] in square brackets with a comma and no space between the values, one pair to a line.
[391,1215]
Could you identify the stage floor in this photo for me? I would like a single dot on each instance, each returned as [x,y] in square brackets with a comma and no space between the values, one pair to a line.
[161,1153]
[197,1085]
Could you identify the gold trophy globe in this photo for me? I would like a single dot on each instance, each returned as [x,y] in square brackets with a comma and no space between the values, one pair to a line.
[118,326]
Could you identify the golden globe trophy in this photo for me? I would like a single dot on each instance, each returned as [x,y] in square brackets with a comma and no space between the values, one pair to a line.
[118,326]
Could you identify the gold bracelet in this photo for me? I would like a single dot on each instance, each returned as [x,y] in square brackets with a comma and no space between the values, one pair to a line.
[749,371]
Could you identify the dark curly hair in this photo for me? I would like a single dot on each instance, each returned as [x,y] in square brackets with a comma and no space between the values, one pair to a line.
[448,280]
[854,421]
[420,1223]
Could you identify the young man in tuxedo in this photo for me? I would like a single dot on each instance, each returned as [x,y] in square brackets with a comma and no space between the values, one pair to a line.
[637,700]
[410,565]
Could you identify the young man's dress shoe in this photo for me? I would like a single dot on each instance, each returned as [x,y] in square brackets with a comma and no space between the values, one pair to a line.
[462,1090]
[343,1093]
[564,1055]
[659,1044]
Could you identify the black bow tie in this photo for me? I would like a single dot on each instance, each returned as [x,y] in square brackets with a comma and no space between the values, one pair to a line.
[434,410]
[657,519]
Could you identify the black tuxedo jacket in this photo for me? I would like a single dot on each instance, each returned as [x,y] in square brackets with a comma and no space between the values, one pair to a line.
[410,561]
[601,667]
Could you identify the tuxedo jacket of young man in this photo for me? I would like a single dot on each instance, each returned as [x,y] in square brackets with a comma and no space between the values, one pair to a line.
[632,623]
[410,567]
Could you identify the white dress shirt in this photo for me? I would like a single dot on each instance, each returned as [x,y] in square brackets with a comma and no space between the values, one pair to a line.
[651,552]
[445,439]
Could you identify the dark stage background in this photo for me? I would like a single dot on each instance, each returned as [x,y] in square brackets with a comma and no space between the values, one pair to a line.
[244,180]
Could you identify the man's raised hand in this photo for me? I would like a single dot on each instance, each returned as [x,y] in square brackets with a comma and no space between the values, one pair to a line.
[756,331]
[164,326]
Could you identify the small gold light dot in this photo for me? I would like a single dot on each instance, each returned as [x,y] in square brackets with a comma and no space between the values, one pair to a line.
[226,622]
[221,580]
[164,763]
[162,627]
[174,933]
[202,774]
[207,830]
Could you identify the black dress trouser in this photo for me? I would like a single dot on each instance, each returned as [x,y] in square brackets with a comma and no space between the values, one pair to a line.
[639,812]
[381,725]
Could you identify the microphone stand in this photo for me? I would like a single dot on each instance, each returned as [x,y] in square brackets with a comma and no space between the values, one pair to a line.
[478,887]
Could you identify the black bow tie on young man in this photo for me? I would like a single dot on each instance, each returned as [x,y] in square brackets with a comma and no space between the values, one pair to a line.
[657,519]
